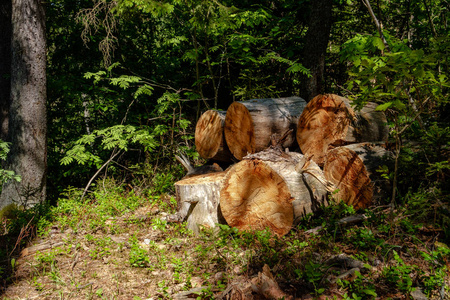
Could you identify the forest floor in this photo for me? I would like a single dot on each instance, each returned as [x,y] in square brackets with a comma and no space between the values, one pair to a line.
[115,244]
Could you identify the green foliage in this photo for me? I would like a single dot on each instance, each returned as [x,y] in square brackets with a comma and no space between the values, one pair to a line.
[358,288]
[399,275]
[313,273]
[138,256]
[116,137]
[6,175]
[435,279]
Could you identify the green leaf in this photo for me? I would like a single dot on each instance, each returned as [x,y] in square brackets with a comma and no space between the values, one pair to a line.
[378,43]
[384,106]
[370,292]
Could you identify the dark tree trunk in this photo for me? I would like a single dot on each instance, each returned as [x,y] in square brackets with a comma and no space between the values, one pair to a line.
[316,42]
[27,113]
[5,66]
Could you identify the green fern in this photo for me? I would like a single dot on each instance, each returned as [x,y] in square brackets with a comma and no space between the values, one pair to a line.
[114,137]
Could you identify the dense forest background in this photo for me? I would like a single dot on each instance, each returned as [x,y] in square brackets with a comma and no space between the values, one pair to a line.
[128,79]
[156,66]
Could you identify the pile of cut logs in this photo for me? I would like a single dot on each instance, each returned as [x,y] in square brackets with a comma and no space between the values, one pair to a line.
[287,159]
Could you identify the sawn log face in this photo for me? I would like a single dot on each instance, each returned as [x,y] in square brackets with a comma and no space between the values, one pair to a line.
[254,197]
[209,136]
[352,169]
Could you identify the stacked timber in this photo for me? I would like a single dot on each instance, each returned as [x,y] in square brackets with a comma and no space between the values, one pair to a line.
[329,120]
[249,125]
[272,189]
[271,186]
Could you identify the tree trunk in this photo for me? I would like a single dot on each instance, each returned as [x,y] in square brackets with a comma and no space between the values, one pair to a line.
[315,48]
[27,115]
[198,200]
[249,125]
[330,120]
[210,138]
[5,66]
[255,197]
[352,169]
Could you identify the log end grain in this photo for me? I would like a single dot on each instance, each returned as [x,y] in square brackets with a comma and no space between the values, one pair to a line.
[347,171]
[209,136]
[254,197]
[239,130]
[324,121]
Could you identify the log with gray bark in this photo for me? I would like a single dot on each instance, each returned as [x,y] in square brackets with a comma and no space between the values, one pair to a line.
[271,189]
[249,125]
[209,136]
[353,170]
[330,120]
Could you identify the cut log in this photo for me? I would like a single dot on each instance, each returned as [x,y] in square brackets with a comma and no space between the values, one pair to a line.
[304,179]
[249,125]
[255,197]
[209,136]
[198,201]
[352,169]
[330,120]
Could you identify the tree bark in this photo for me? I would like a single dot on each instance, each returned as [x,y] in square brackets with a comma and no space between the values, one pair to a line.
[210,138]
[5,66]
[315,48]
[352,169]
[27,115]
[249,125]
[329,120]
[255,197]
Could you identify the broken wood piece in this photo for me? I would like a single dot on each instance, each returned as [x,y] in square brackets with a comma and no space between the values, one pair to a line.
[40,247]
[265,285]
[194,171]
[342,222]
[249,125]
[193,293]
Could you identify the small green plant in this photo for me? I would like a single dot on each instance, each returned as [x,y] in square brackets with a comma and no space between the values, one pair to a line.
[101,247]
[358,288]
[138,256]
[206,293]
[313,273]
[435,279]
[363,238]
[158,224]
[399,275]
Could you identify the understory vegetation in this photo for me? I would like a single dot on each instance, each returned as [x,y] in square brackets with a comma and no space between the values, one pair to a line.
[115,244]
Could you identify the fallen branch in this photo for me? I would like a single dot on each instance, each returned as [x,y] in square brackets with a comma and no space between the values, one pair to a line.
[342,222]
